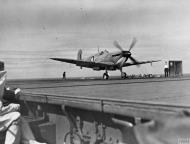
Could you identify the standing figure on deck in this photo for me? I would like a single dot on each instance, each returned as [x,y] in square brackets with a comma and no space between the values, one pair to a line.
[16,128]
[64,75]
[166,69]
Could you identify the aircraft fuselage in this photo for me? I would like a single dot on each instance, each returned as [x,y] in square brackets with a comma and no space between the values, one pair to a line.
[103,57]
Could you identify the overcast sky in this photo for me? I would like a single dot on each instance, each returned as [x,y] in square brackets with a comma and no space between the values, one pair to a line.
[31,31]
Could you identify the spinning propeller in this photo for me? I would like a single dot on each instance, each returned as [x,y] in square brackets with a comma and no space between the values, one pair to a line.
[124,53]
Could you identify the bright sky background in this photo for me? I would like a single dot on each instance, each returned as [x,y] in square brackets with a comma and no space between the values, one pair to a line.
[31,31]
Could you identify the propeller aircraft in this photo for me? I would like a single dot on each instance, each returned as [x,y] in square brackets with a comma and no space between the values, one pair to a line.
[108,61]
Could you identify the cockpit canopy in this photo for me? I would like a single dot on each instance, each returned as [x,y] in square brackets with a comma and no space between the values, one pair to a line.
[103,52]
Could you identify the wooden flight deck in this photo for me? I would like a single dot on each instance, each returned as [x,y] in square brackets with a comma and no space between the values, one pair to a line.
[146,98]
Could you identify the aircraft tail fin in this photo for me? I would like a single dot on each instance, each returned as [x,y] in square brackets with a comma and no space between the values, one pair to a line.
[79,55]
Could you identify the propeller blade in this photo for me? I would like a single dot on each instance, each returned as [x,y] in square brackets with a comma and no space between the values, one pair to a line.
[132,44]
[133,59]
[122,63]
[116,44]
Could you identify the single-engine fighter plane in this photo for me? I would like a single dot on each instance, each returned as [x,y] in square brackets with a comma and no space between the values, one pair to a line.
[107,61]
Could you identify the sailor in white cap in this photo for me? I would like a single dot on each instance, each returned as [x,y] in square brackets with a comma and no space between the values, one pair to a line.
[16,128]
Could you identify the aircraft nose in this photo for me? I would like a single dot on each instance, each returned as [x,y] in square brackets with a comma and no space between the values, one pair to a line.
[127,54]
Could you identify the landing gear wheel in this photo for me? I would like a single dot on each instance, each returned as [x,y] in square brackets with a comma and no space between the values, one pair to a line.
[105,76]
[123,75]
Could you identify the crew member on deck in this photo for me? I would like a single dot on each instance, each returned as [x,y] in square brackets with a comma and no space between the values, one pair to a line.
[64,75]
[166,69]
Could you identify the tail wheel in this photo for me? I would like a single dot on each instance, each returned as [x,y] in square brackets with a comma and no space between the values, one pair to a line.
[105,76]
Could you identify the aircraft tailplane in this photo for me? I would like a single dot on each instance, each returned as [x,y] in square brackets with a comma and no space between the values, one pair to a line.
[79,55]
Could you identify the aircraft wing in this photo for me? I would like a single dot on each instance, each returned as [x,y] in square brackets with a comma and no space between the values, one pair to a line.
[84,63]
[66,60]
[139,63]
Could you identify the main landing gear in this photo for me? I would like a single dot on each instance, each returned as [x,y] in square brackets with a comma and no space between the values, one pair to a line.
[123,75]
[106,75]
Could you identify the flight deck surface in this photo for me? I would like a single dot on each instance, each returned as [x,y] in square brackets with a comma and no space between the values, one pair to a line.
[171,91]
